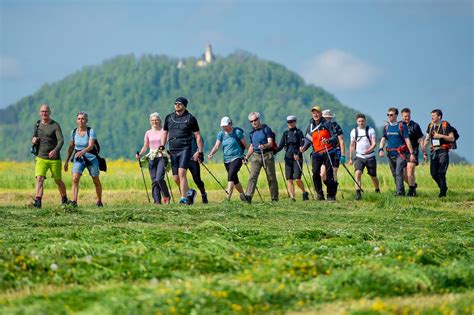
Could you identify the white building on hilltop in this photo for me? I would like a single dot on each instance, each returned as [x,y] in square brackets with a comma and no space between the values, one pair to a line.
[206,58]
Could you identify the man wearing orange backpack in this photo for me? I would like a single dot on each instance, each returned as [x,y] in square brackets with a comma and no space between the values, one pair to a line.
[441,136]
[399,149]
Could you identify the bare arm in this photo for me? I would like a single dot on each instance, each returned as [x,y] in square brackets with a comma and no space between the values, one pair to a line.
[381,146]
[164,137]
[352,148]
[214,149]
[69,154]
[146,144]
[249,152]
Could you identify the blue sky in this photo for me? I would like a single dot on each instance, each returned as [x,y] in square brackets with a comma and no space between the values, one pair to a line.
[369,54]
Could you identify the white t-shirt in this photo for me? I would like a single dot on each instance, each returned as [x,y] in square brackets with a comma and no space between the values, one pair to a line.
[362,142]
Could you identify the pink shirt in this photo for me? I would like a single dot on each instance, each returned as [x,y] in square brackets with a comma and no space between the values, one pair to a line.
[154,138]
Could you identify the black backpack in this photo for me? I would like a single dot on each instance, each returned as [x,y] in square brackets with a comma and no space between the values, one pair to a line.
[366,134]
[96,149]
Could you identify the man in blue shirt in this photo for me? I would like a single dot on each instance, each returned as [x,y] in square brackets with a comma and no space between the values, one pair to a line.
[399,148]
[260,153]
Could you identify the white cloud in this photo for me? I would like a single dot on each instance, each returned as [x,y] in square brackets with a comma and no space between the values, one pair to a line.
[9,67]
[339,70]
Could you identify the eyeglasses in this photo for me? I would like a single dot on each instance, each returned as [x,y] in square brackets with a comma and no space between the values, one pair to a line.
[391,115]
[290,121]
[252,121]
[178,103]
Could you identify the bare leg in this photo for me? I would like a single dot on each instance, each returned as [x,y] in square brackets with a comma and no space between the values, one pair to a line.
[300,184]
[75,186]
[375,181]
[323,172]
[291,188]
[39,186]
[410,172]
[183,181]
[358,176]
[61,188]
[239,188]
[230,189]
[335,173]
[98,187]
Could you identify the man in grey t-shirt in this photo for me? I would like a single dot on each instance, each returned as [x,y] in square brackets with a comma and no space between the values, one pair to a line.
[48,137]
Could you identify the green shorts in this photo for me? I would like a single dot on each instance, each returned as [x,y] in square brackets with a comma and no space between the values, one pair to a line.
[43,165]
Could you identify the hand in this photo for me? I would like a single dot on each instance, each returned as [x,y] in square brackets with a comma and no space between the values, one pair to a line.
[425,157]
[412,158]
[302,149]
[34,140]
[161,148]
[201,157]
[196,156]
[52,154]
[342,159]
[66,166]
[245,160]
[137,156]
[209,156]
[296,157]
[325,140]
[261,146]
[79,154]
[350,161]
[437,135]
[381,153]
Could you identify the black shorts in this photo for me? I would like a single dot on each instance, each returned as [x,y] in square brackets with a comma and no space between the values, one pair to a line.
[180,159]
[337,159]
[415,152]
[370,163]
[233,169]
[292,170]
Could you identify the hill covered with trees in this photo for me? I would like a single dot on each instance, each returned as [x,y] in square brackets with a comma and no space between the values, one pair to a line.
[120,93]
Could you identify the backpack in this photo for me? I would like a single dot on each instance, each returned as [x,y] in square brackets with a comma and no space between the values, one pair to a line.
[272,136]
[366,134]
[444,124]
[234,135]
[96,149]
[35,147]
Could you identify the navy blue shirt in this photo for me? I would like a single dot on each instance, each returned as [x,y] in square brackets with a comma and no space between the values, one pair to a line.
[395,137]
[260,136]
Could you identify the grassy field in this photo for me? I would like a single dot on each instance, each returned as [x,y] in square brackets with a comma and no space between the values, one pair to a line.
[381,255]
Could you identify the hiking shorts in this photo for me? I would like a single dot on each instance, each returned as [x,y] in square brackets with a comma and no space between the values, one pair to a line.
[233,169]
[337,158]
[370,163]
[43,165]
[78,167]
[292,170]
[416,153]
[180,159]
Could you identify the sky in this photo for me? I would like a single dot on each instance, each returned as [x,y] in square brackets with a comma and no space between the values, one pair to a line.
[369,54]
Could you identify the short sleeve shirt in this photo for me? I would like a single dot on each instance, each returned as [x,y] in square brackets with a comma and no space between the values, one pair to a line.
[362,142]
[180,130]
[230,145]
[154,138]
[260,136]
[82,141]
[438,128]
[415,134]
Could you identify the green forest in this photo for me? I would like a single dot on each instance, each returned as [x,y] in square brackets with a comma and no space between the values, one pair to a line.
[120,94]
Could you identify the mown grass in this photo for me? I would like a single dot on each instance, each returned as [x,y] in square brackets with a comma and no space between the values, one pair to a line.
[379,256]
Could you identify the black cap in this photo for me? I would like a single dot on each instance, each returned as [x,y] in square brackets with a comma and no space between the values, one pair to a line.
[182,100]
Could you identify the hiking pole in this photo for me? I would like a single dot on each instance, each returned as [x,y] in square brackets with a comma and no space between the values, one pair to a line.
[258,191]
[143,176]
[309,173]
[209,171]
[352,177]
[305,180]
[169,186]
[283,175]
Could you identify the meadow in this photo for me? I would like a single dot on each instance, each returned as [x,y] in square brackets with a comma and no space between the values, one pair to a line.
[380,255]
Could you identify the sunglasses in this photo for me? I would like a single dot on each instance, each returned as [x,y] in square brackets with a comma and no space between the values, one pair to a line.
[252,121]
[390,115]
[178,103]
[290,121]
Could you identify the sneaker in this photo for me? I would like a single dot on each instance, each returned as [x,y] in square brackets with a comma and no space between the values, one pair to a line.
[293,199]
[191,196]
[72,203]
[183,201]
[377,190]
[245,198]
[411,191]
[99,204]
[442,193]
[320,197]
[37,203]
[400,194]
[305,196]
[358,195]
[64,201]
[331,198]
[204,198]
[166,200]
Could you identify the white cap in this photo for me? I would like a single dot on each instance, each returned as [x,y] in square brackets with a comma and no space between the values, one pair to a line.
[226,121]
[291,117]
[328,113]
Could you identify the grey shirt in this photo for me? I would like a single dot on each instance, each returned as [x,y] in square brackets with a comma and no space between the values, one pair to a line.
[51,138]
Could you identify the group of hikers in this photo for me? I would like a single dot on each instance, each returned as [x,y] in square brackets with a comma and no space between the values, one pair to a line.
[177,140]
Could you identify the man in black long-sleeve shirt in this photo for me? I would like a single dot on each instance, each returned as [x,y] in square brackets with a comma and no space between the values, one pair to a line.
[291,141]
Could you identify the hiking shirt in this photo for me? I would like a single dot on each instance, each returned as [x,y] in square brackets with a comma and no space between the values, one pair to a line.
[396,137]
[415,134]
[444,130]
[51,138]
[82,142]
[291,141]
[154,138]
[180,130]
[316,132]
[260,136]
[363,142]
[231,144]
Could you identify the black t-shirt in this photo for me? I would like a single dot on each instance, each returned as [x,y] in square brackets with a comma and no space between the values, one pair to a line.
[414,133]
[443,128]
[291,140]
[180,130]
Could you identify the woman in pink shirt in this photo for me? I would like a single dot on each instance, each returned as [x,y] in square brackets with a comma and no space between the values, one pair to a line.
[157,161]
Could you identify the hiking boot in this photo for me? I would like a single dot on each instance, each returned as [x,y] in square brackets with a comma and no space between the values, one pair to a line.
[411,191]
[442,193]
[37,203]
[191,196]
[377,190]
[358,195]
[166,200]
[204,198]
[99,204]
[245,198]
[320,197]
[293,199]
[64,201]
[331,198]
[183,201]
[305,196]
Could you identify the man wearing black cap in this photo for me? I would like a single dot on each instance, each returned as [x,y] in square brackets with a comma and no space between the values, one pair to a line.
[179,128]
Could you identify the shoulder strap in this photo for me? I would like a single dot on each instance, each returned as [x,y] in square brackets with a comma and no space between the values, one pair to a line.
[74,133]
[356,133]
[37,125]
[367,134]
